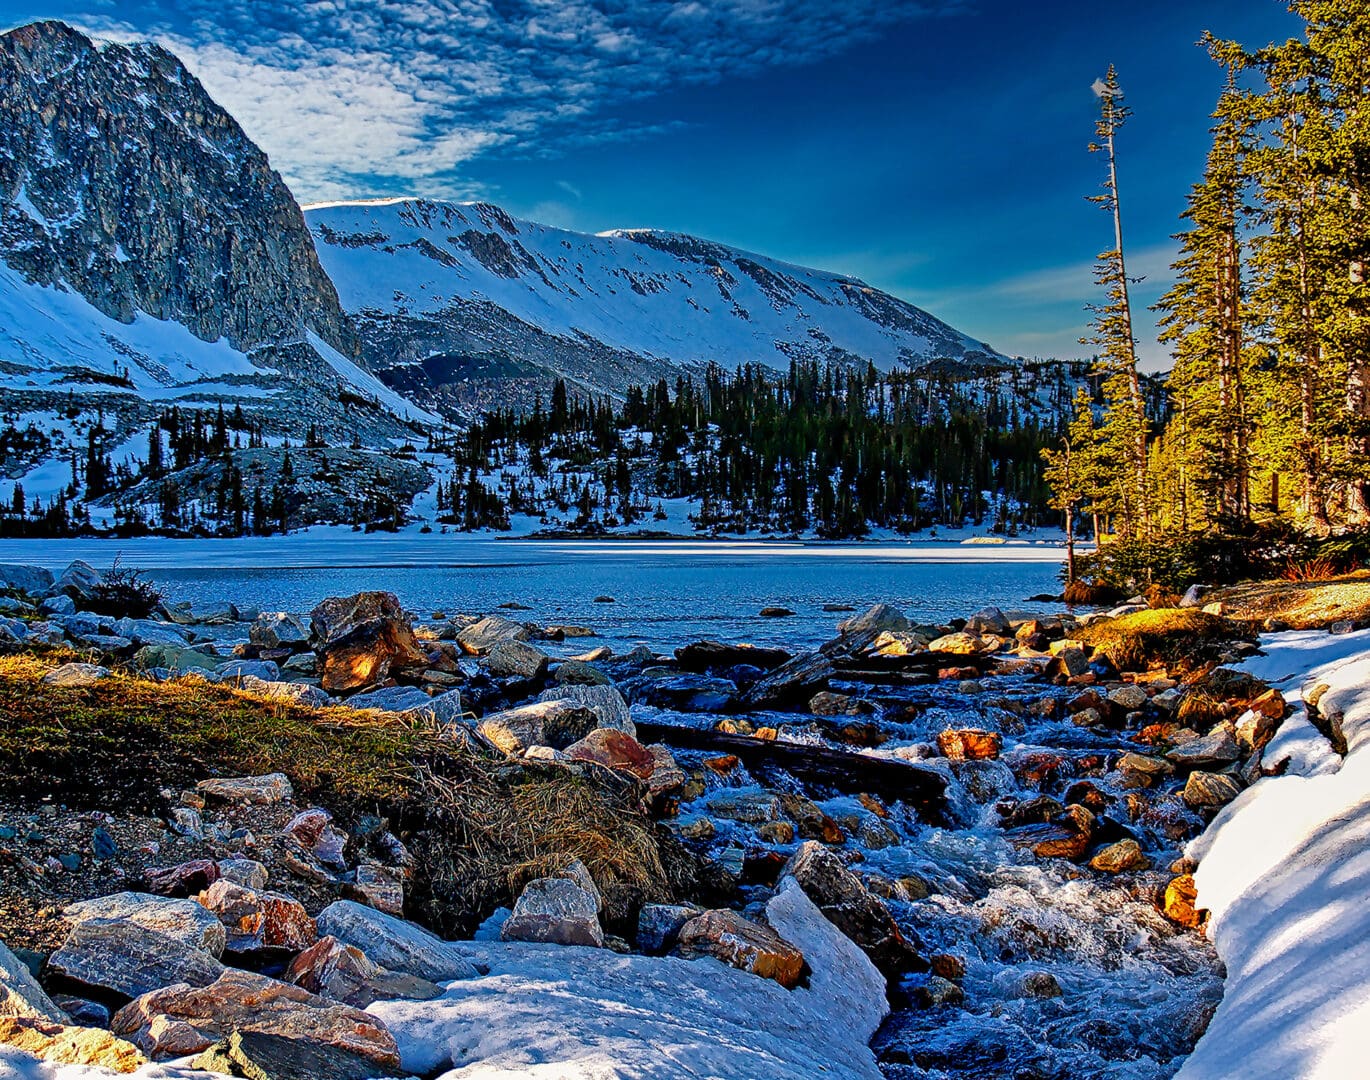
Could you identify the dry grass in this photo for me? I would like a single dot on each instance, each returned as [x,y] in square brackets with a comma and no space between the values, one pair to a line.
[1303,605]
[470,816]
[1179,638]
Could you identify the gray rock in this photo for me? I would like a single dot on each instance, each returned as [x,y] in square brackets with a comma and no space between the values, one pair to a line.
[393,943]
[876,618]
[279,630]
[989,620]
[12,631]
[303,693]
[75,675]
[659,925]
[267,1056]
[555,910]
[176,658]
[1194,595]
[20,994]
[395,699]
[258,790]
[34,580]
[184,921]
[608,705]
[78,581]
[516,659]
[480,637]
[1219,748]
[266,670]
[1210,789]
[246,872]
[143,632]
[580,673]
[58,605]
[125,959]
[542,723]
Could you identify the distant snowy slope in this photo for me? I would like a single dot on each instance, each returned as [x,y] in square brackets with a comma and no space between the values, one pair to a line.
[427,278]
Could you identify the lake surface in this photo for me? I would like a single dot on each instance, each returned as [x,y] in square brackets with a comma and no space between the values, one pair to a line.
[665,592]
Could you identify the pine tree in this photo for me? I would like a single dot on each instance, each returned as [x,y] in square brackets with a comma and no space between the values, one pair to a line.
[1206,321]
[1125,419]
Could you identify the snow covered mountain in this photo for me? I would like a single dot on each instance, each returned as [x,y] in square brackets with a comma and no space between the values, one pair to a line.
[459,303]
[149,255]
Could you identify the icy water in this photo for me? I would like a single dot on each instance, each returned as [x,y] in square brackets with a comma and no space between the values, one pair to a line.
[666,593]
[1069,974]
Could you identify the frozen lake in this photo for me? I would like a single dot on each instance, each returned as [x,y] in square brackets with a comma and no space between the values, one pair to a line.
[666,592]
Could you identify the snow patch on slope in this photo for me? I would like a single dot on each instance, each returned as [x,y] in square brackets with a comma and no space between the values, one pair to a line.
[1285,873]
[660,295]
[368,383]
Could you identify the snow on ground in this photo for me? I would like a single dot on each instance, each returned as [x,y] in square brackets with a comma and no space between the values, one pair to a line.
[545,1012]
[1285,873]
[548,1012]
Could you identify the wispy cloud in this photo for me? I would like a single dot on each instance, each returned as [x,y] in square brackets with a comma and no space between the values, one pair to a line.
[1043,312]
[392,96]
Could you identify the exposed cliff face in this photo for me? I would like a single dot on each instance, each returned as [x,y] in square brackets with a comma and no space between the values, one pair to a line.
[122,180]
[463,304]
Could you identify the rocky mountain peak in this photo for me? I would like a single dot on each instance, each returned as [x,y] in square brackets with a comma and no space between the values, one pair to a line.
[123,181]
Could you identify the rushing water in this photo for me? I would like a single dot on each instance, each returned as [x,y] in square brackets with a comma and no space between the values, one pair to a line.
[1069,974]
[665,592]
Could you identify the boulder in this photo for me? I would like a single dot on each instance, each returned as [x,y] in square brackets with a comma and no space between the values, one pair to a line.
[482,636]
[279,630]
[608,705]
[969,744]
[988,620]
[849,906]
[1218,748]
[1210,789]
[184,921]
[75,675]
[667,777]
[145,632]
[574,673]
[793,683]
[263,1056]
[659,925]
[259,920]
[248,872]
[20,994]
[78,581]
[177,658]
[256,790]
[875,619]
[962,643]
[395,699]
[556,910]
[1128,697]
[1178,903]
[393,943]
[119,958]
[63,1044]
[706,656]
[614,749]
[168,1022]
[1119,857]
[344,973]
[685,692]
[377,886]
[360,639]
[556,723]
[183,879]
[1143,770]
[33,580]
[58,605]
[727,936]
[239,671]
[516,660]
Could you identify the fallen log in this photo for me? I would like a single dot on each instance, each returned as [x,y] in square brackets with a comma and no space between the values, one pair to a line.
[842,770]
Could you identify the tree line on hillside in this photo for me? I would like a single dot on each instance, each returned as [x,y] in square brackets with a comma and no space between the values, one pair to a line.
[1266,436]
[837,450]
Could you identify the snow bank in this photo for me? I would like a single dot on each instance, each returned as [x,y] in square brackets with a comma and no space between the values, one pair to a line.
[1285,873]
[570,1013]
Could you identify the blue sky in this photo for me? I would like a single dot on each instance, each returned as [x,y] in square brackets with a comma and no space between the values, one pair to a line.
[935,148]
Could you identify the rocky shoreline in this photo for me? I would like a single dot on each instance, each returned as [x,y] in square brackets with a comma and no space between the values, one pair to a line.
[971,831]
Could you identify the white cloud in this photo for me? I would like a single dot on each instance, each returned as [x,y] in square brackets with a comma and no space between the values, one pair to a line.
[349,95]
